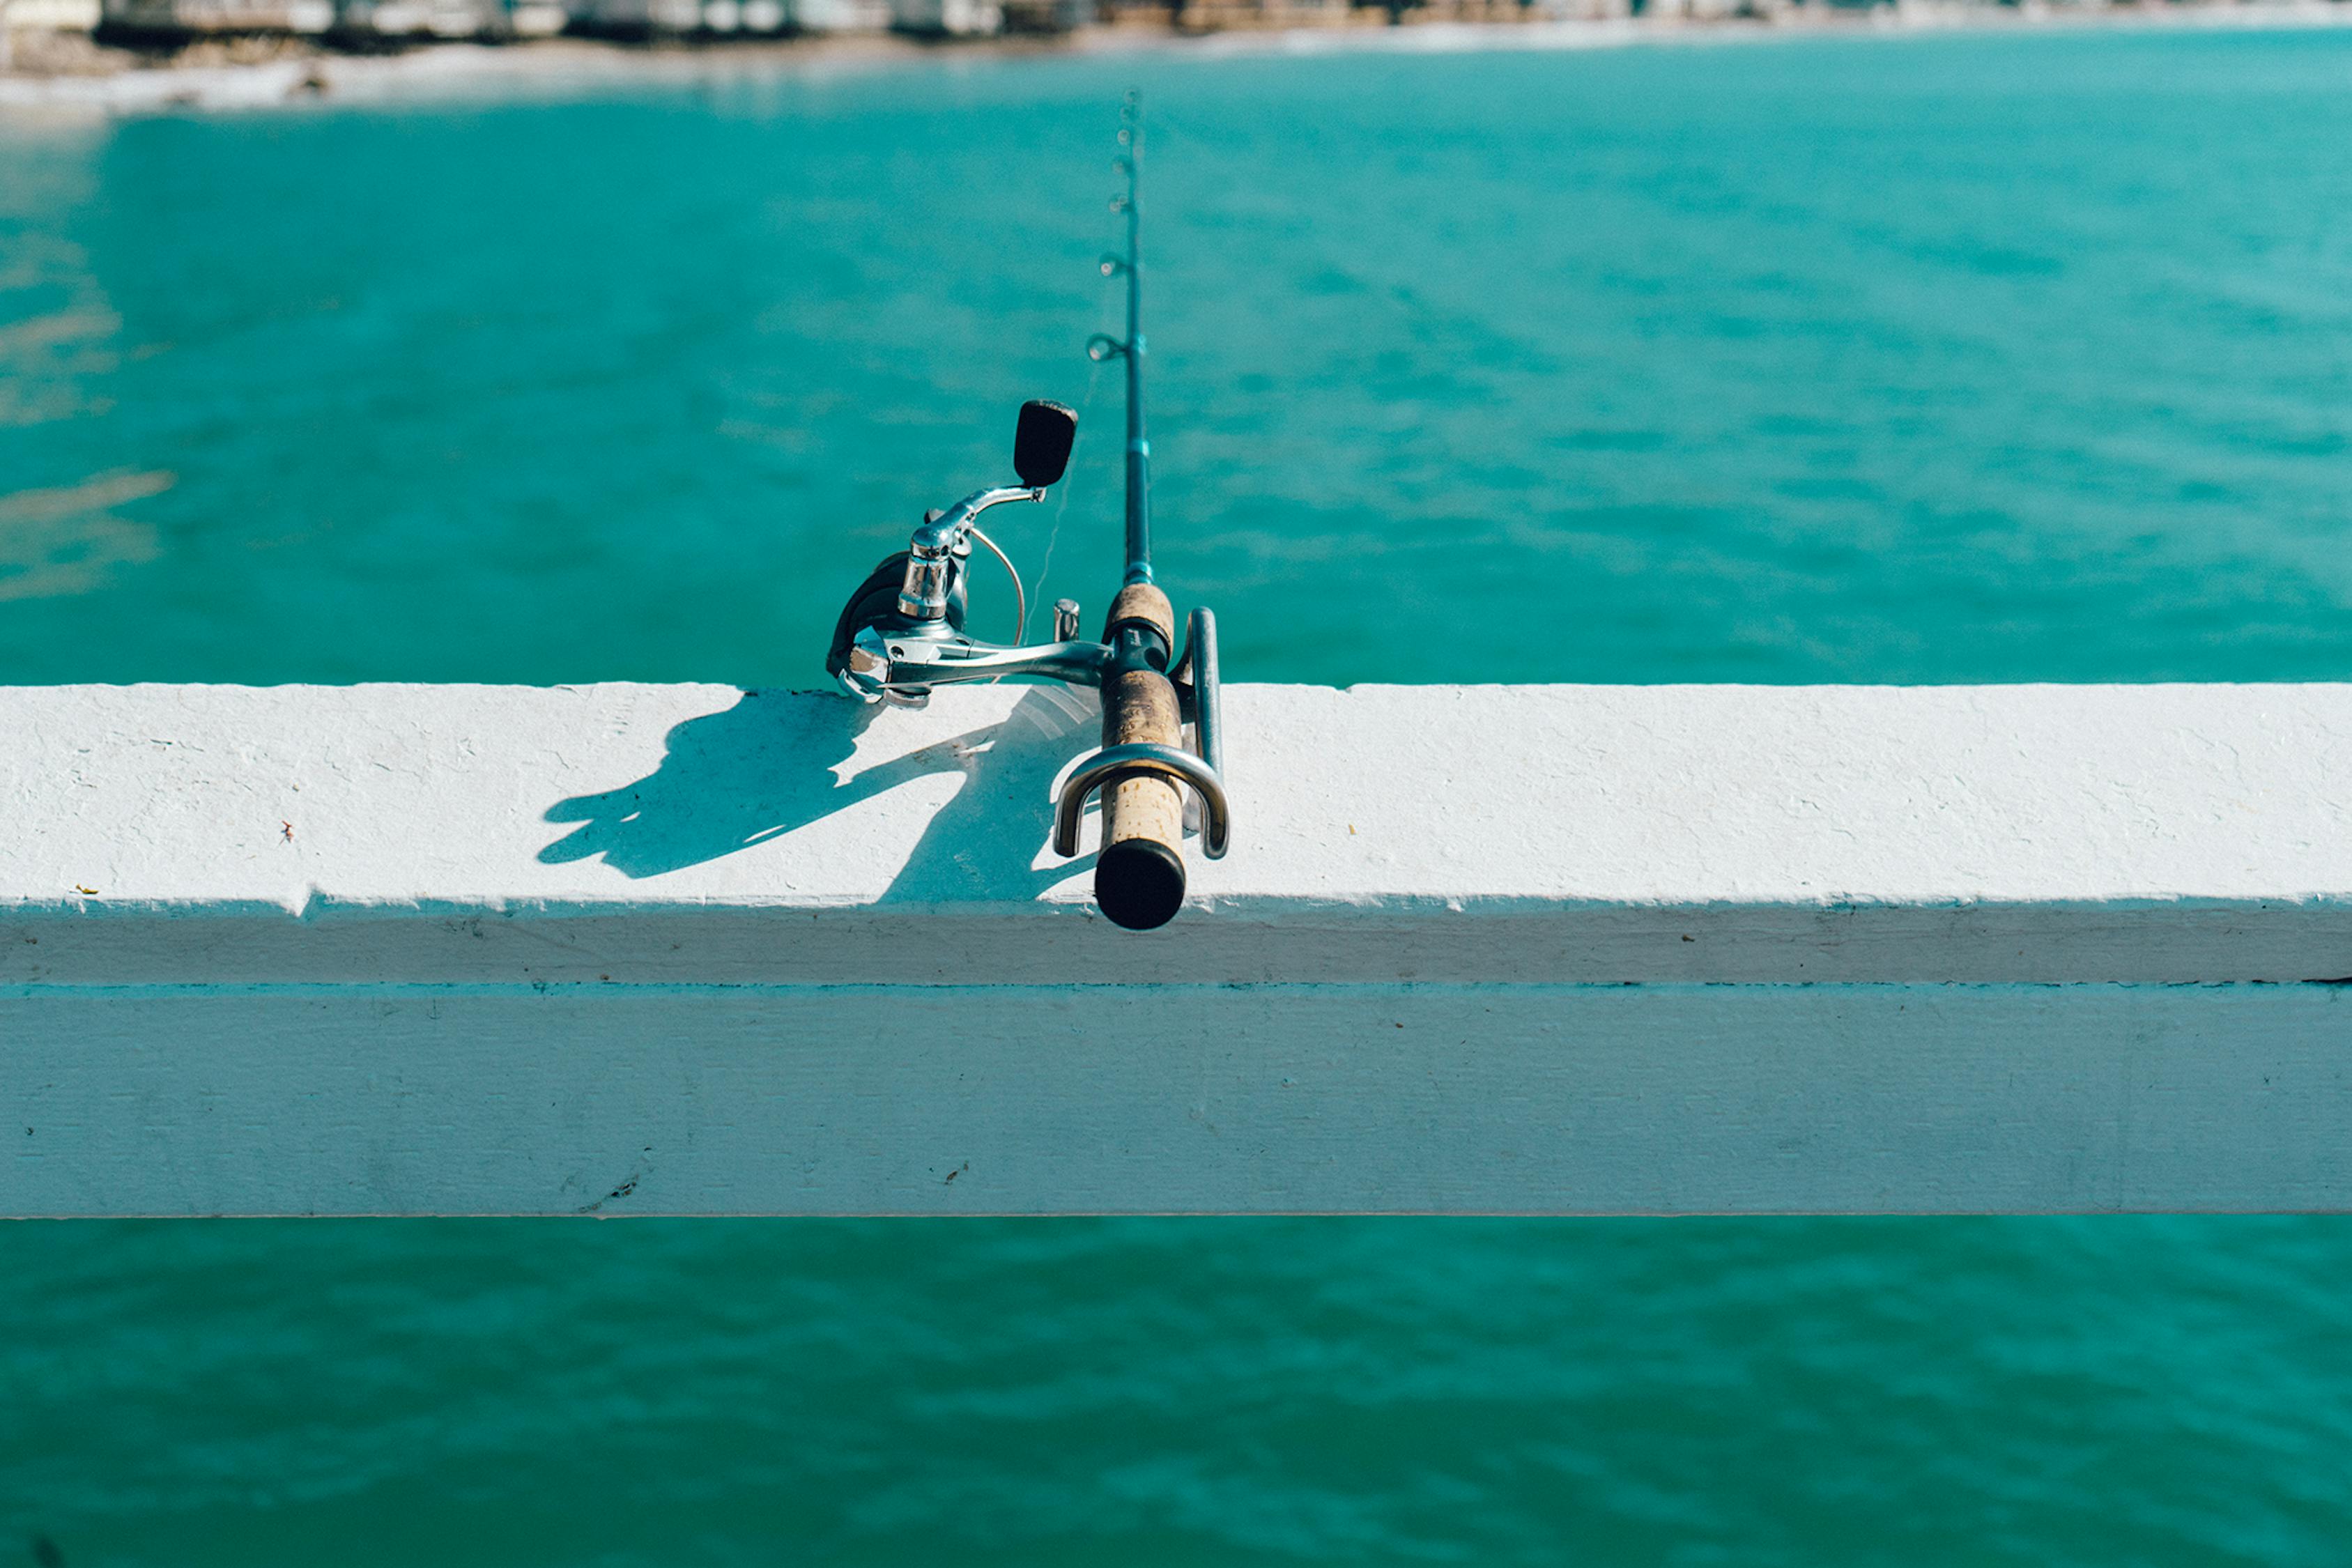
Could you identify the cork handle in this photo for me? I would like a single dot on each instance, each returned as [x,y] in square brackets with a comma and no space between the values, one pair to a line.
[1139,874]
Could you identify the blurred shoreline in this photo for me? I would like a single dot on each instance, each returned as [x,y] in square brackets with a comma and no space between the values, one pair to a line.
[71,75]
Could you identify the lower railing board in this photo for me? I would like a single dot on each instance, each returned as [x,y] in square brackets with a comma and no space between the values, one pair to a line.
[627,1100]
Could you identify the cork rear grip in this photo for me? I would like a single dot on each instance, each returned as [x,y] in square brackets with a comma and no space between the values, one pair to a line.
[1139,874]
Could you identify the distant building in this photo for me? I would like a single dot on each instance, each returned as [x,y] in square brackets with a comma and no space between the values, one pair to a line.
[48,16]
[841,16]
[180,18]
[961,17]
[422,18]
[355,20]
[679,18]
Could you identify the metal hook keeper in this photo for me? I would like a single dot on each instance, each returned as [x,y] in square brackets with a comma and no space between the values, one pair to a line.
[1113,763]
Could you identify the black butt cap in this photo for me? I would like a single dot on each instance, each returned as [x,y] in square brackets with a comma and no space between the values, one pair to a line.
[1140,883]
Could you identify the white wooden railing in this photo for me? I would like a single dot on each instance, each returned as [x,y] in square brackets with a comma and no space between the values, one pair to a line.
[686,949]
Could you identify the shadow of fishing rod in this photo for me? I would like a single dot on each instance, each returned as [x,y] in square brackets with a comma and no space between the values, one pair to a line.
[773,764]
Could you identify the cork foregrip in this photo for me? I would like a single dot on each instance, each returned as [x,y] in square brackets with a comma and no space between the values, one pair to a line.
[1142,602]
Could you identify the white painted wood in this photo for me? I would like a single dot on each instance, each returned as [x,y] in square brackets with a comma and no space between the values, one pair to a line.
[471,949]
[695,834]
[1585,1099]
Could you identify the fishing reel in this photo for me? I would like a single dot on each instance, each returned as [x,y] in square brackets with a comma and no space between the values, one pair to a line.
[902,636]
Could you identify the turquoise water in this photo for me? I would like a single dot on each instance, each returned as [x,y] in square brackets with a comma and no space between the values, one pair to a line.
[1923,361]
[1974,358]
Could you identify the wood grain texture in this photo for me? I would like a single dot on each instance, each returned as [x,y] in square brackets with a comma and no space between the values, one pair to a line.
[1012,1099]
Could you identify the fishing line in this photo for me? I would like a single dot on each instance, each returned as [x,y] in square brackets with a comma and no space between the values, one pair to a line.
[1019,595]
[1062,505]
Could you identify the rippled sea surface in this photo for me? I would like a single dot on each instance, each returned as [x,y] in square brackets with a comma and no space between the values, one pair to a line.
[1979,358]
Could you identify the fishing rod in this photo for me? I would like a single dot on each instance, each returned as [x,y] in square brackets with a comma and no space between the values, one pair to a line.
[901,636]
